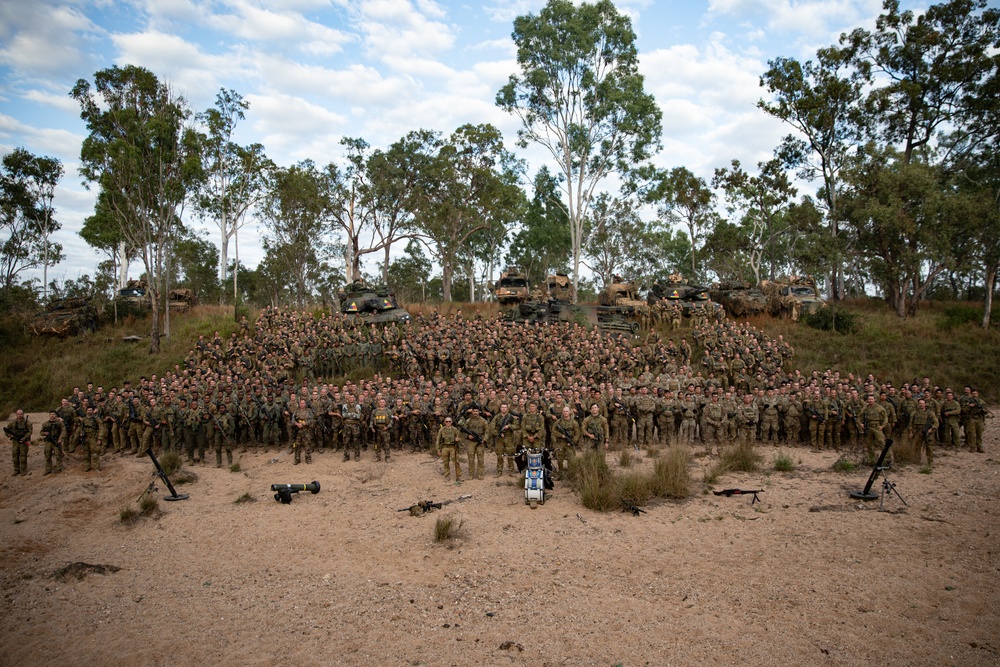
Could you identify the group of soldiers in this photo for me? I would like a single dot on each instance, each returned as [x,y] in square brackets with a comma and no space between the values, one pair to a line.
[455,386]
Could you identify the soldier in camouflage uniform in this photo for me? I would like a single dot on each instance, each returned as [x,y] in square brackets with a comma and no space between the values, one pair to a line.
[873,421]
[19,432]
[303,420]
[381,421]
[351,414]
[91,426]
[52,437]
[746,421]
[645,406]
[225,434]
[951,413]
[533,427]
[769,417]
[714,418]
[446,444]
[975,422]
[475,446]
[504,435]
[922,430]
[565,438]
[595,429]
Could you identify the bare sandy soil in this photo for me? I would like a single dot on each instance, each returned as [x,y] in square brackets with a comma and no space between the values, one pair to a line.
[806,577]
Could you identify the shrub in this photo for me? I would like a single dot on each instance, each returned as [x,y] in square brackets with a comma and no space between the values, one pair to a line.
[671,477]
[128,515]
[634,488]
[844,465]
[625,459]
[148,504]
[445,528]
[833,318]
[170,462]
[741,457]
[960,315]
[784,463]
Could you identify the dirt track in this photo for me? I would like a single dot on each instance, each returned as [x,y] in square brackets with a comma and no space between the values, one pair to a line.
[807,577]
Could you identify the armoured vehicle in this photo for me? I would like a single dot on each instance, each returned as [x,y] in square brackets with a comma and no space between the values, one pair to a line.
[65,317]
[790,296]
[134,294]
[511,289]
[560,287]
[372,304]
[740,299]
[676,289]
[181,299]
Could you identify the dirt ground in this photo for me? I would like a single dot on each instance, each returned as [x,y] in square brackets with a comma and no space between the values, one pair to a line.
[807,576]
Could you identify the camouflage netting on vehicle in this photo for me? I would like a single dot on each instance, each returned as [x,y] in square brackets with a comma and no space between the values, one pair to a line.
[181,299]
[512,288]
[560,287]
[790,296]
[621,294]
[65,317]
[739,299]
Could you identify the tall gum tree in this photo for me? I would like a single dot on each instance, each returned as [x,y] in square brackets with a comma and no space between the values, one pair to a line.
[138,151]
[579,95]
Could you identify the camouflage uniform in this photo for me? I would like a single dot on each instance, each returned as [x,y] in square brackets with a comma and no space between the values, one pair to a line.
[303,421]
[381,421]
[19,431]
[446,444]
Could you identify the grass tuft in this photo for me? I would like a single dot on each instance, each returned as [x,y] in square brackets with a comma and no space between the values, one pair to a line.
[170,462]
[844,465]
[235,467]
[245,498]
[446,528]
[784,463]
[148,504]
[128,515]
[741,457]
[712,473]
[625,459]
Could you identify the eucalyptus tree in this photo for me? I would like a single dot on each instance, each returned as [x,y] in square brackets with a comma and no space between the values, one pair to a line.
[580,96]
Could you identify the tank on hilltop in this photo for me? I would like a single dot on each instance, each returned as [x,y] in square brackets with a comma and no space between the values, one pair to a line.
[374,304]
[511,289]
[621,293]
[739,298]
[65,317]
[790,296]
[676,290]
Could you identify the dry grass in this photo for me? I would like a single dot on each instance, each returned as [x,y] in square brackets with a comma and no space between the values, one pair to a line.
[148,504]
[128,515]
[245,498]
[447,528]
[603,490]
[741,457]
[625,459]
[170,462]
[783,463]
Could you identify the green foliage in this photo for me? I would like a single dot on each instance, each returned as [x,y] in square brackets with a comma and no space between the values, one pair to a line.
[784,463]
[128,515]
[961,314]
[170,462]
[844,465]
[148,504]
[833,318]
[741,457]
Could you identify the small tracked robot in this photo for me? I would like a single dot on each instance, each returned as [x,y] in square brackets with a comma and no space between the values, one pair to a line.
[536,464]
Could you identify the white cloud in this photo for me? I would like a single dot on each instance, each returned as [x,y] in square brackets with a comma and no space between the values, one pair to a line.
[250,22]
[60,101]
[396,29]
[42,40]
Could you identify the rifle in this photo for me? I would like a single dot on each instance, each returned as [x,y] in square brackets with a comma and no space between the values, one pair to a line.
[565,434]
[629,507]
[424,506]
[815,413]
[740,492]
[472,434]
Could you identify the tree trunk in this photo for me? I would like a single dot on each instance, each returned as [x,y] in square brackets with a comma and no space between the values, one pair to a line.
[385,265]
[223,264]
[236,270]
[446,273]
[154,327]
[991,277]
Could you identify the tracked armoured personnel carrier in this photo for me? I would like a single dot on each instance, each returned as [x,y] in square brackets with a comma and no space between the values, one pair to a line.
[65,317]
[373,304]
[791,296]
[740,299]
[620,307]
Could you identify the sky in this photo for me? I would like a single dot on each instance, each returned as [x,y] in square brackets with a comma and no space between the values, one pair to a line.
[314,71]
